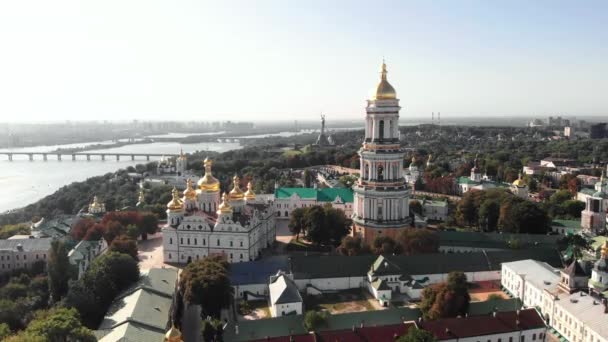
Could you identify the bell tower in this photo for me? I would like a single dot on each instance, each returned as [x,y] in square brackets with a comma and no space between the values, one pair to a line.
[381,196]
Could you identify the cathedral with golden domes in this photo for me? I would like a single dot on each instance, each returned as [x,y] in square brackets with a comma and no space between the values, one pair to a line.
[202,222]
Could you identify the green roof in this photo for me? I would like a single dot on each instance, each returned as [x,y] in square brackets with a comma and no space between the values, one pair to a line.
[489,306]
[573,224]
[320,195]
[495,240]
[587,191]
[143,310]
[466,180]
[262,328]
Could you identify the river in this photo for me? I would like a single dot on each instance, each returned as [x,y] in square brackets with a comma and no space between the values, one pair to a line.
[24,182]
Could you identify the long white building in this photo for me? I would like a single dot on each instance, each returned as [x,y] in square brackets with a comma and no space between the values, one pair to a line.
[577,316]
[238,227]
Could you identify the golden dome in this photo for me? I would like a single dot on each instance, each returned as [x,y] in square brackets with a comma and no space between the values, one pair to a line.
[249,194]
[173,335]
[413,159]
[384,90]
[95,204]
[236,193]
[224,207]
[181,154]
[519,182]
[189,193]
[208,183]
[175,203]
[605,249]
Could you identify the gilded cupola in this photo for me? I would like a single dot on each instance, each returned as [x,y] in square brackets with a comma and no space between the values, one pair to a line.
[519,182]
[208,183]
[182,156]
[384,90]
[249,194]
[224,207]
[236,193]
[173,335]
[189,193]
[175,203]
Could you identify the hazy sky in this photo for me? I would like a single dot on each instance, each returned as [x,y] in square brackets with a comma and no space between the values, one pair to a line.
[281,59]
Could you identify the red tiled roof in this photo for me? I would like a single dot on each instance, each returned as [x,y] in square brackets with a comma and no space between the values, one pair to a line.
[385,333]
[450,328]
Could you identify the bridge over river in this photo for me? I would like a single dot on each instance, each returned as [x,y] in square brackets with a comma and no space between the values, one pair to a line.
[83,155]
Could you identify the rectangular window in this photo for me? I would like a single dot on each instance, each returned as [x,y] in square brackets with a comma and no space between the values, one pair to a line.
[241,243]
[218,242]
[181,241]
[170,241]
[204,241]
[188,240]
[230,243]
[195,242]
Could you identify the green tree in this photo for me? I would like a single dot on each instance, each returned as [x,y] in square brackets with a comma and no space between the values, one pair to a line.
[148,225]
[417,335]
[13,291]
[383,244]
[314,221]
[336,223]
[60,324]
[133,231]
[418,241]
[206,282]
[108,275]
[416,207]
[126,245]
[59,270]
[575,243]
[211,330]
[573,208]
[314,320]
[448,299]
[5,331]
[296,221]
[352,246]
[307,178]
[489,212]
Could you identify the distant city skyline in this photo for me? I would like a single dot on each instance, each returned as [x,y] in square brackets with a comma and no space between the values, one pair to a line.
[266,60]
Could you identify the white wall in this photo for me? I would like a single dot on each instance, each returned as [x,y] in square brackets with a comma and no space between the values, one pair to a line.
[278,310]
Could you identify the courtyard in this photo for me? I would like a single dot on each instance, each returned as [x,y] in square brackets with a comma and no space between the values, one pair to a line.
[355,300]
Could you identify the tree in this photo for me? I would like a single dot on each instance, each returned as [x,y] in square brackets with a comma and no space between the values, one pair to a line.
[126,245]
[211,330]
[417,335]
[418,241]
[416,207]
[383,244]
[489,212]
[113,229]
[59,324]
[314,320]
[575,243]
[148,224]
[13,291]
[352,246]
[314,221]
[12,313]
[296,221]
[573,208]
[206,282]
[5,331]
[108,275]
[59,270]
[527,218]
[336,223]
[307,178]
[448,299]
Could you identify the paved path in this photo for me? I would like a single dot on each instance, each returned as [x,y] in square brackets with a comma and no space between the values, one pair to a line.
[150,252]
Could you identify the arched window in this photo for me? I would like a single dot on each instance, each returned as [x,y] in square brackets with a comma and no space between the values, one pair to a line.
[380,173]
[366,170]
[381,129]
[286,213]
[390,128]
